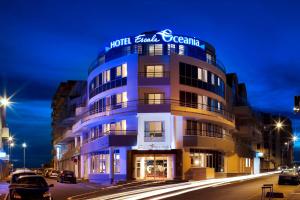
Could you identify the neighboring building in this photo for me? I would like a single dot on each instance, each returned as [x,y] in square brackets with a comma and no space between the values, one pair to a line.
[297,104]
[278,142]
[156,106]
[68,99]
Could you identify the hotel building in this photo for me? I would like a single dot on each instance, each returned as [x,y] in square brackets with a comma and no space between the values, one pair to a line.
[155,106]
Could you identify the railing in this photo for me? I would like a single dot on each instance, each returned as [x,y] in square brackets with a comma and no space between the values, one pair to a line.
[132,106]
[111,132]
[205,133]
[154,136]
[164,74]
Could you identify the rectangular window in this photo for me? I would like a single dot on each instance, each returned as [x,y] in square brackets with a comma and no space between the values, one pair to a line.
[181,50]
[171,49]
[158,49]
[119,71]
[107,75]
[154,129]
[124,99]
[117,163]
[247,162]
[209,58]
[219,81]
[155,98]
[151,49]
[154,71]
[124,70]
[204,78]
[199,73]
[212,79]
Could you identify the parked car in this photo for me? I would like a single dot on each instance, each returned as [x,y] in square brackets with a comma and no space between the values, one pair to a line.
[289,176]
[53,173]
[20,172]
[31,187]
[66,176]
[38,171]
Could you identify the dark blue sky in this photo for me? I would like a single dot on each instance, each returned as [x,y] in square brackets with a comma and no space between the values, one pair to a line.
[45,42]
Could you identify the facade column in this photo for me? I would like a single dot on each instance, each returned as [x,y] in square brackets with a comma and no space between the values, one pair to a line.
[82,166]
[111,165]
[89,164]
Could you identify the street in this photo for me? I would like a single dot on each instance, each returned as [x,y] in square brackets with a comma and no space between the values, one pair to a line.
[217,189]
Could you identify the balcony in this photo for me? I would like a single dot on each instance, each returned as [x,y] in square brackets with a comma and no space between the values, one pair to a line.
[66,137]
[111,138]
[154,78]
[208,140]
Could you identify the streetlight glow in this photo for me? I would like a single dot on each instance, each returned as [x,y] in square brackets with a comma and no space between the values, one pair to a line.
[5,101]
[12,144]
[24,145]
[10,138]
[279,125]
[295,138]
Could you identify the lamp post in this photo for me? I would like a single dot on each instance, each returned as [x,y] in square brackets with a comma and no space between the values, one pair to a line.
[24,145]
[10,141]
[4,102]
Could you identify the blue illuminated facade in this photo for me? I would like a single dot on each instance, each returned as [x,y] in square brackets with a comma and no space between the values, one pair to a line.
[155,108]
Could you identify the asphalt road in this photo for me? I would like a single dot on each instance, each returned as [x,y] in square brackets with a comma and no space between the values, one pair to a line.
[62,191]
[246,190]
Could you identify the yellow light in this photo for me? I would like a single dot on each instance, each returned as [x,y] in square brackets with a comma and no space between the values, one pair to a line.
[5,101]
[279,125]
[12,144]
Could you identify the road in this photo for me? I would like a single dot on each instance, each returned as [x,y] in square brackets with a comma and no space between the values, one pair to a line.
[217,189]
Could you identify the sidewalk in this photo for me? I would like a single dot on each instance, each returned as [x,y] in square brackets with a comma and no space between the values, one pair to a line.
[295,195]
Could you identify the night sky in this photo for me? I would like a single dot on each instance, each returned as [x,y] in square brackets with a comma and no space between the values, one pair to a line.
[45,42]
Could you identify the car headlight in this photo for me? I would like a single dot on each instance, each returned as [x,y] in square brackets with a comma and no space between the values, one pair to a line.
[47,194]
[17,196]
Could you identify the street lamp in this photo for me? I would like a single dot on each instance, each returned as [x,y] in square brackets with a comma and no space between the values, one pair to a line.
[279,125]
[24,145]
[10,141]
[4,103]
[295,138]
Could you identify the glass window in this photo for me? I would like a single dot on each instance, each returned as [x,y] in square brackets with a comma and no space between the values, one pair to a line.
[107,75]
[155,98]
[171,49]
[158,49]
[209,58]
[219,81]
[119,70]
[154,71]
[204,78]
[119,99]
[124,99]
[124,70]
[154,129]
[212,79]
[181,50]
[199,73]
[117,162]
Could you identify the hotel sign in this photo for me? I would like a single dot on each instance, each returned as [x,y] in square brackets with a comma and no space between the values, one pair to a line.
[164,36]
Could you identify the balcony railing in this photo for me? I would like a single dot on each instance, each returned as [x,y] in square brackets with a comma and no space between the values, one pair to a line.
[154,136]
[205,133]
[111,132]
[168,104]
[163,74]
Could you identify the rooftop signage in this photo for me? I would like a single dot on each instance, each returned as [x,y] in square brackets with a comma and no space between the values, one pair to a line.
[164,36]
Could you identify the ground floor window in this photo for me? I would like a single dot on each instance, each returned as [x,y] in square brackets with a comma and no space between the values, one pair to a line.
[207,158]
[100,162]
[154,167]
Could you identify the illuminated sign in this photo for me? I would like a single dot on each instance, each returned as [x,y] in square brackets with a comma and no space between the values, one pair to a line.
[164,36]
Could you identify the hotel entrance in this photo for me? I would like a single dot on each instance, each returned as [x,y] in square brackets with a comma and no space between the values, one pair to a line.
[154,167]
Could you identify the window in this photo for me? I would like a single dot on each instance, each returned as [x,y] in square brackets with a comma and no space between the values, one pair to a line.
[119,99]
[124,70]
[199,73]
[204,78]
[154,71]
[219,81]
[124,99]
[212,79]
[247,162]
[155,49]
[119,71]
[107,75]
[171,49]
[154,129]
[117,163]
[181,50]
[208,58]
[155,98]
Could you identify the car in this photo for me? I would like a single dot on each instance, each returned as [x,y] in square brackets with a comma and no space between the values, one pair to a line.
[21,172]
[53,173]
[31,187]
[66,176]
[289,176]
[38,171]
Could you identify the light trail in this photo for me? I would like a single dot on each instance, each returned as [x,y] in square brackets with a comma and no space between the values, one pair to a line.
[167,191]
